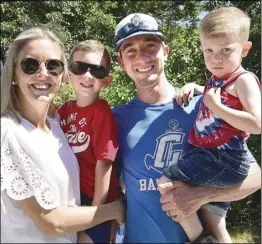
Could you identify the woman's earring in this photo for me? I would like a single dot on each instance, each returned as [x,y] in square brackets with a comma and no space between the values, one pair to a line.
[14,83]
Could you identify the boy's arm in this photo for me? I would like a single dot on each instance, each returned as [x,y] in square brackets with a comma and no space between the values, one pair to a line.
[187,92]
[198,90]
[182,199]
[250,97]
[102,181]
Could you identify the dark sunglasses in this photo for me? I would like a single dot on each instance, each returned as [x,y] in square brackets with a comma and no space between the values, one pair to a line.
[31,66]
[80,68]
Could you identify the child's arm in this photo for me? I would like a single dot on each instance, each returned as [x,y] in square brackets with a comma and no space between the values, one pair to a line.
[187,92]
[250,97]
[102,180]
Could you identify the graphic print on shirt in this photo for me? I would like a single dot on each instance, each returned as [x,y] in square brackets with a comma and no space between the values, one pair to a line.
[78,140]
[206,120]
[165,154]
[210,131]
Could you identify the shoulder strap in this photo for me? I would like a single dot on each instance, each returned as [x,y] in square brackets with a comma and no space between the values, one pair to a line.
[233,78]
[207,82]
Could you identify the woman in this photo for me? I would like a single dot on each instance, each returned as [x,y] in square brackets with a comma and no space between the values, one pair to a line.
[39,172]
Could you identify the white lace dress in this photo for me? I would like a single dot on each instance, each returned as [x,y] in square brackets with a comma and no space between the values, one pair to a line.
[40,164]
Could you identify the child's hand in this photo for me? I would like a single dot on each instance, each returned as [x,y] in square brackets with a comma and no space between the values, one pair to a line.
[164,184]
[52,110]
[185,94]
[212,98]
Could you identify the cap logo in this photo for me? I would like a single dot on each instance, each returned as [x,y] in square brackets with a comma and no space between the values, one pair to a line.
[136,20]
[136,24]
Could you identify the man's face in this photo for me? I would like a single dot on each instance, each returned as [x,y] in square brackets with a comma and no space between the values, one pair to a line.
[143,58]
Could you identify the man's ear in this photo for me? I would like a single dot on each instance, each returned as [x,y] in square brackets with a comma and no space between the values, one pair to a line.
[246,47]
[120,61]
[166,51]
[107,81]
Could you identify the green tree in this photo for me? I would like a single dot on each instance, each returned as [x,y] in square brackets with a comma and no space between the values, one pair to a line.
[75,21]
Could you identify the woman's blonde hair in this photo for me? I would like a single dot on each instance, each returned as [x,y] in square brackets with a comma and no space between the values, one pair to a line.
[226,22]
[9,100]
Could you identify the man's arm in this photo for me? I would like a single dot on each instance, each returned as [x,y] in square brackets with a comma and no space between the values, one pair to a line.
[184,199]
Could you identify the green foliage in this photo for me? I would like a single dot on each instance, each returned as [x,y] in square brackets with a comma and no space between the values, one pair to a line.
[75,21]
[65,94]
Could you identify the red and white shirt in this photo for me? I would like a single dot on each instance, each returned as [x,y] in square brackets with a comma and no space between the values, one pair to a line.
[209,131]
[92,133]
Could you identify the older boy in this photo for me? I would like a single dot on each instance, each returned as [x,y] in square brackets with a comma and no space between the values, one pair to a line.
[91,130]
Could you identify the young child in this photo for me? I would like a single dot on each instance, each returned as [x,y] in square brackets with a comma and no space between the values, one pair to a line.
[92,131]
[231,109]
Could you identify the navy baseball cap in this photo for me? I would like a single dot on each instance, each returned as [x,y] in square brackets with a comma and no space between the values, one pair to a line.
[134,25]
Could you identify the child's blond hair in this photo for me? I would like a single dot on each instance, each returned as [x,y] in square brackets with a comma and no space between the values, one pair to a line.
[226,22]
[92,46]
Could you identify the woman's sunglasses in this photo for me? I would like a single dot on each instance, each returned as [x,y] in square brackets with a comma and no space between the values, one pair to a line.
[80,68]
[31,66]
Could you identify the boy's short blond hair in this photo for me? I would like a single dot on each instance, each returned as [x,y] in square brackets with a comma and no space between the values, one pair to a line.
[226,22]
[92,46]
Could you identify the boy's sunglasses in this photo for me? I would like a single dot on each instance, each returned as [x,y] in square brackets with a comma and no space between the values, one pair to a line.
[31,66]
[80,68]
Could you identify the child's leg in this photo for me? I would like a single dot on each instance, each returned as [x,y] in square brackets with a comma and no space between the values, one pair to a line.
[216,225]
[84,238]
[192,227]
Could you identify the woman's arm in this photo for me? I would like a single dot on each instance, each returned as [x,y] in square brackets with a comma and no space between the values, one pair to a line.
[64,220]
[183,199]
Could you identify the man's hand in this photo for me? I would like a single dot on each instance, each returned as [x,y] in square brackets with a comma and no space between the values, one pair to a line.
[182,199]
[212,98]
[164,185]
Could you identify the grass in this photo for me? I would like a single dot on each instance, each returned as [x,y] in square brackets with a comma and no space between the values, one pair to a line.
[245,234]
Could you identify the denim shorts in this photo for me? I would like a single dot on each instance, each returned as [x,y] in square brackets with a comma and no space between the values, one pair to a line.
[99,233]
[213,168]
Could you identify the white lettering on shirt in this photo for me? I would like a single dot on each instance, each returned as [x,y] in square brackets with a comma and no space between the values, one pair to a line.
[148,184]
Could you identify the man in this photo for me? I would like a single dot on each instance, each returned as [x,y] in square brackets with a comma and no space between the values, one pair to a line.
[153,133]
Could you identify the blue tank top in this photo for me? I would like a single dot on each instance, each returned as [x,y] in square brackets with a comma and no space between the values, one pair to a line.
[151,138]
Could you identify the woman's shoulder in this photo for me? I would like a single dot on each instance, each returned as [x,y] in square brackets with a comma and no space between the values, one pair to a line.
[8,125]
[7,120]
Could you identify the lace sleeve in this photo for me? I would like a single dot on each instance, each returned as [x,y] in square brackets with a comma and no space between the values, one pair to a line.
[21,177]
